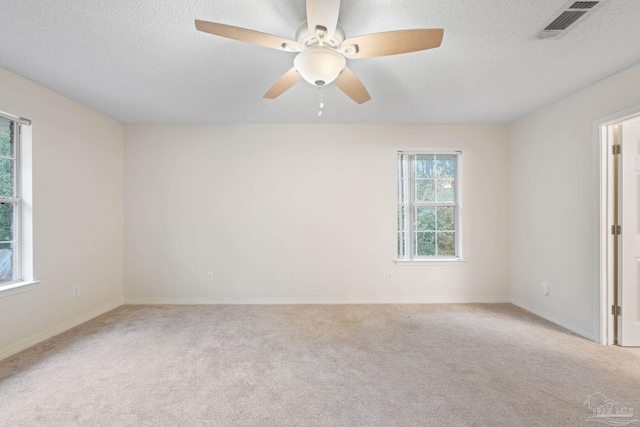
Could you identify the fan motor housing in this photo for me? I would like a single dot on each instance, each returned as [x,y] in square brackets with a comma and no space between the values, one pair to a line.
[307,39]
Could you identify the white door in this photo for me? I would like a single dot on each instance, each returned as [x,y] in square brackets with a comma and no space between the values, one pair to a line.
[629,283]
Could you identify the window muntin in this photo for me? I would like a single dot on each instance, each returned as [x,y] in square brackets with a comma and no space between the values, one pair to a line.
[428,206]
[10,201]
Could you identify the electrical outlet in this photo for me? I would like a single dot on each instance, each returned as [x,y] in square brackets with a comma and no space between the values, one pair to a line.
[544,288]
[76,291]
[389,276]
[209,277]
[276,277]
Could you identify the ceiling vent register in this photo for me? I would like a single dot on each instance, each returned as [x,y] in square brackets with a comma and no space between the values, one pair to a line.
[571,13]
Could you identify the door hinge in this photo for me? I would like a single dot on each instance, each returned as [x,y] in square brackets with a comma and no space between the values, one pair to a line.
[616,149]
[616,310]
[616,230]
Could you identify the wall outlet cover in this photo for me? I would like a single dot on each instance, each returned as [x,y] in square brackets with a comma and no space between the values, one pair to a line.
[544,288]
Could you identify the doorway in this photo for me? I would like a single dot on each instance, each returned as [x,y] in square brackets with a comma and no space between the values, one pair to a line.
[619,144]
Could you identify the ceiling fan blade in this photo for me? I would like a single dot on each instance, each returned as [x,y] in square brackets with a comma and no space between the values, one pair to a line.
[284,83]
[351,85]
[392,43]
[249,36]
[323,14]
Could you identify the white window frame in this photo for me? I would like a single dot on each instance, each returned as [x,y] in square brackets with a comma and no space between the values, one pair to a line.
[16,201]
[406,169]
[22,258]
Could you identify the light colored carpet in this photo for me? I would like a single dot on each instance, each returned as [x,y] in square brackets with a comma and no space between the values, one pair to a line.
[310,365]
[633,350]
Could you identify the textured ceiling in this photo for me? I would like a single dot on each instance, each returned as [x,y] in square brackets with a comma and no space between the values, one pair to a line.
[143,61]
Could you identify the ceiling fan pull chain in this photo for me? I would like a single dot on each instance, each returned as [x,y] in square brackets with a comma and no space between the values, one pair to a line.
[321,103]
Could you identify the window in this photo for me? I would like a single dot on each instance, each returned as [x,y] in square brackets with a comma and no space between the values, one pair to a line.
[10,202]
[428,206]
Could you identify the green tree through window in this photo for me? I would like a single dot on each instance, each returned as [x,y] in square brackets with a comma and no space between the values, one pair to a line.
[427,206]
[7,191]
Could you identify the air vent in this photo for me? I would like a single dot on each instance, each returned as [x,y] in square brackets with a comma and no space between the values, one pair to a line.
[584,4]
[566,18]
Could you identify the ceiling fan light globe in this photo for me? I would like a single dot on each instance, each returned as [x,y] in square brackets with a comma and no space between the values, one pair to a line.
[319,64]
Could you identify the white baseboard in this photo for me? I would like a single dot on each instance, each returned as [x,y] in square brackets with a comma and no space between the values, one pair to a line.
[547,316]
[35,339]
[272,301]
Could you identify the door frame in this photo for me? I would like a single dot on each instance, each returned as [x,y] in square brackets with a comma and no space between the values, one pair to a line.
[604,159]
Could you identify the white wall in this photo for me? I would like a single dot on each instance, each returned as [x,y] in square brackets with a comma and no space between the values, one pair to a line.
[77,204]
[315,203]
[555,199]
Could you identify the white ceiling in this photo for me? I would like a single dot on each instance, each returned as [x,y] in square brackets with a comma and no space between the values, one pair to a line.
[143,61]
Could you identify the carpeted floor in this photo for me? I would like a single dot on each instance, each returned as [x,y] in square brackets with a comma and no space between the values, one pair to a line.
[310,365]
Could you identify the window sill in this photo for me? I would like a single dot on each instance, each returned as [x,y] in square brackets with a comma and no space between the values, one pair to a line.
[18,288]
[431,262]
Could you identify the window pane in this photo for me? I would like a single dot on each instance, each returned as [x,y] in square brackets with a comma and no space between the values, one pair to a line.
[402,196]
[401,240]
[425,244]
[425,190]
[402,226]
[424,166]
[446,218]
[445,166]
[6,221]
[446,190]
[6,261]
[6,146]
[425,219]
[6,177]
[427,205]
[446,244]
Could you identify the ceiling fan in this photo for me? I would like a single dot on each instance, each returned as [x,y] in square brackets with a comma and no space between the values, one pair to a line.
[323,49]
